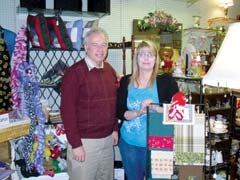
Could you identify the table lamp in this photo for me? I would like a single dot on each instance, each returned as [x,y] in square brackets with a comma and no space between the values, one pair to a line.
[225,70]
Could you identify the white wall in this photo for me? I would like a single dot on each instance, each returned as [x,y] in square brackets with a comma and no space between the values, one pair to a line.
[119,22]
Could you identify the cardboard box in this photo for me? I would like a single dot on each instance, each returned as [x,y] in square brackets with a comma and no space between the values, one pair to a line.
[188,172]
[4,120]
[119,174]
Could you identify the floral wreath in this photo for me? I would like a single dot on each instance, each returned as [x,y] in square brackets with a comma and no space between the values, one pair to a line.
[161,19]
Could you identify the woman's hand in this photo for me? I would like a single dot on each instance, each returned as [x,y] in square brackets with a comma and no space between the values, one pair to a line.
[156,108]
[145,104]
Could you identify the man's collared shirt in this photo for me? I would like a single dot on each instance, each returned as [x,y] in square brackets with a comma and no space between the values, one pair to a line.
[90,64]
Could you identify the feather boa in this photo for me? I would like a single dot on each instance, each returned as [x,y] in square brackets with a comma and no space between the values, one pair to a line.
[25,99]
[19,56]
[31,107]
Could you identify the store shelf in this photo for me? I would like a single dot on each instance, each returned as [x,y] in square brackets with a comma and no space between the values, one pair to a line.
[83,14]
[198,31]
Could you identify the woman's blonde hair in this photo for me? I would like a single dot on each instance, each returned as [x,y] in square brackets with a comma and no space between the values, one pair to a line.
[135,74]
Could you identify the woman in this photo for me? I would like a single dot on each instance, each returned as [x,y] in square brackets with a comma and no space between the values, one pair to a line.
[137,91]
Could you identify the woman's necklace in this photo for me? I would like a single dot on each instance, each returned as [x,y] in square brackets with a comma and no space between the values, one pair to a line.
[143,83]
[143,80]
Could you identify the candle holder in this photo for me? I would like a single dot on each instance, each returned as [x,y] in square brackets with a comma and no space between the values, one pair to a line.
[196,20]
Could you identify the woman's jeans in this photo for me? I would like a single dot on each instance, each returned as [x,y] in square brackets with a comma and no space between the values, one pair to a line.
[133,159]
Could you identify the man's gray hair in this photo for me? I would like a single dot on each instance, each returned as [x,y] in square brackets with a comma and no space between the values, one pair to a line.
[97,30]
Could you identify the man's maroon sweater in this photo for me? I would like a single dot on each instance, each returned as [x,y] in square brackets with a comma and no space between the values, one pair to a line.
[88,102]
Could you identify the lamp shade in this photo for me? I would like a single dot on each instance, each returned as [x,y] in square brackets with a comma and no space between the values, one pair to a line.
[225,3]
[225,70]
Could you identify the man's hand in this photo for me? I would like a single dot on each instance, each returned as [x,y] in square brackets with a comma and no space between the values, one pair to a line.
[115,137]
[79,154]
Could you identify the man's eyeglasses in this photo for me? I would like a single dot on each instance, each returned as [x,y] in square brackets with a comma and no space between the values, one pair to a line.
[96,46]
[147,55]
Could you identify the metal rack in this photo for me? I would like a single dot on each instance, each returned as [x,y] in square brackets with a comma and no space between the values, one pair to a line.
[45,61]
[54,62]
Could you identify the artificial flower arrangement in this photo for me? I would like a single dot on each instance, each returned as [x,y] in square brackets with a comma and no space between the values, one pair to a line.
[159,19]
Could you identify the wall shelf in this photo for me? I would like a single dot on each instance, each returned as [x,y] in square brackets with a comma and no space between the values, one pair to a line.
[53,12]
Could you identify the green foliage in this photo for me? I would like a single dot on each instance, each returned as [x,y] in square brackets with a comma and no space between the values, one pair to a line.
[159,19]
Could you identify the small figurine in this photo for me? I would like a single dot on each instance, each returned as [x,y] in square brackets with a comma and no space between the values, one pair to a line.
[166,54]
[178,68]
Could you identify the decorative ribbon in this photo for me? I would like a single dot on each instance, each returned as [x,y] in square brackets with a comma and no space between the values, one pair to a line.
[176,109]
[60,129]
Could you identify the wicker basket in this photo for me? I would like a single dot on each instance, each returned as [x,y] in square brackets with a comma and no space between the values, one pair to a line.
[14,131]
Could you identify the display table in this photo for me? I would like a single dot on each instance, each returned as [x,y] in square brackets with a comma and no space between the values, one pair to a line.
[60,170]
